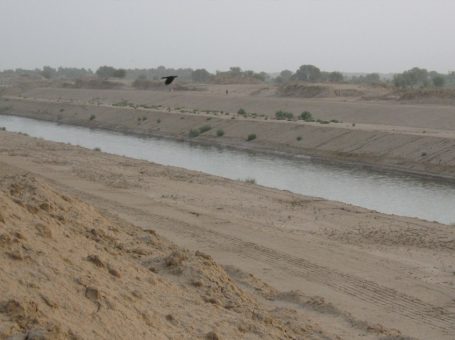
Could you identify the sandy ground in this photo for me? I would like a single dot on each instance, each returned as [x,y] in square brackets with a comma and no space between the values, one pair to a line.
[261,99]
[349,272]
[70,272]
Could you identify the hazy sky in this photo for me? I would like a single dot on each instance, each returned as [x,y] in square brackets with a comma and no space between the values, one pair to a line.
[262,35]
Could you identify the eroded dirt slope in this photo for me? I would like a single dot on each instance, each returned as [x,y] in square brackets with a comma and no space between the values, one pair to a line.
[68,271]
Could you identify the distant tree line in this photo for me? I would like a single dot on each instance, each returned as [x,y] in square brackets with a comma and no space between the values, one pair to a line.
[311,73]
[421,78]
[110,72]
[234,74]
[413,78]
[50,73]
[237,74]
[158,72]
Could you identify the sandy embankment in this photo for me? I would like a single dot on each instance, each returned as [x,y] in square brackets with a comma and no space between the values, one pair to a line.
[69,272]
[404,148]
[353,272]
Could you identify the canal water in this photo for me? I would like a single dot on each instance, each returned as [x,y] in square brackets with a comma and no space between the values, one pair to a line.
[387,192]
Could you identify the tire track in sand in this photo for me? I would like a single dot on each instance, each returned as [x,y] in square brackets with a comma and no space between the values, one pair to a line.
[388,299]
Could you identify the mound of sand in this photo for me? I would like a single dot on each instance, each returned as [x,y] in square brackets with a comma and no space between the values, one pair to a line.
[428,96]
[69,271]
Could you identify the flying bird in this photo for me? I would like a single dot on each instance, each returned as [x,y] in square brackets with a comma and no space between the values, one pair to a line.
[169,79]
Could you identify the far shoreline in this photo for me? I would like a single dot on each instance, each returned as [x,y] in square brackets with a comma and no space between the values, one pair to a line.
[380,169]
[273,136]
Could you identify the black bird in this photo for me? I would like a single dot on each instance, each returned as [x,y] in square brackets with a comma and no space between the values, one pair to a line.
[169,79]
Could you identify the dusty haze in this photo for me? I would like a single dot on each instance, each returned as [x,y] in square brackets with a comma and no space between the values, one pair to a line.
[349,35]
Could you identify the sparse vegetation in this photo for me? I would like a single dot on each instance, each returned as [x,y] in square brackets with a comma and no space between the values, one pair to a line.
[122,103]
[109,71]
[421,78]
[204,128]
[96,149]
[307,73]
[306,116]
[299,138]
[320,121]
[250,180]
[193,133]
[438,81]
[241,112]
[283,115]
[3,128]
[251,137]
[200,76]
[158,120]
[220,132]
[92,117]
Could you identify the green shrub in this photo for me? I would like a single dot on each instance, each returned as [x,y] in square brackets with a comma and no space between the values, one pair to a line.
[61,110]
[158,120]
[92,117]
[220,132]
[320,121]
[204,128]
[299,138]
[97,149]
[282,115]
[122,103]
[241,112]
[251,137]
[306,116]
[193,133]
[250,180]
[334,121]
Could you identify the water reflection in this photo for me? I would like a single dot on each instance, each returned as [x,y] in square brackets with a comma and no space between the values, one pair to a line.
[382,191]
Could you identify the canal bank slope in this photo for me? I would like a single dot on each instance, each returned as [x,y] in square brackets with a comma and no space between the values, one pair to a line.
[415,150]
[354,272]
